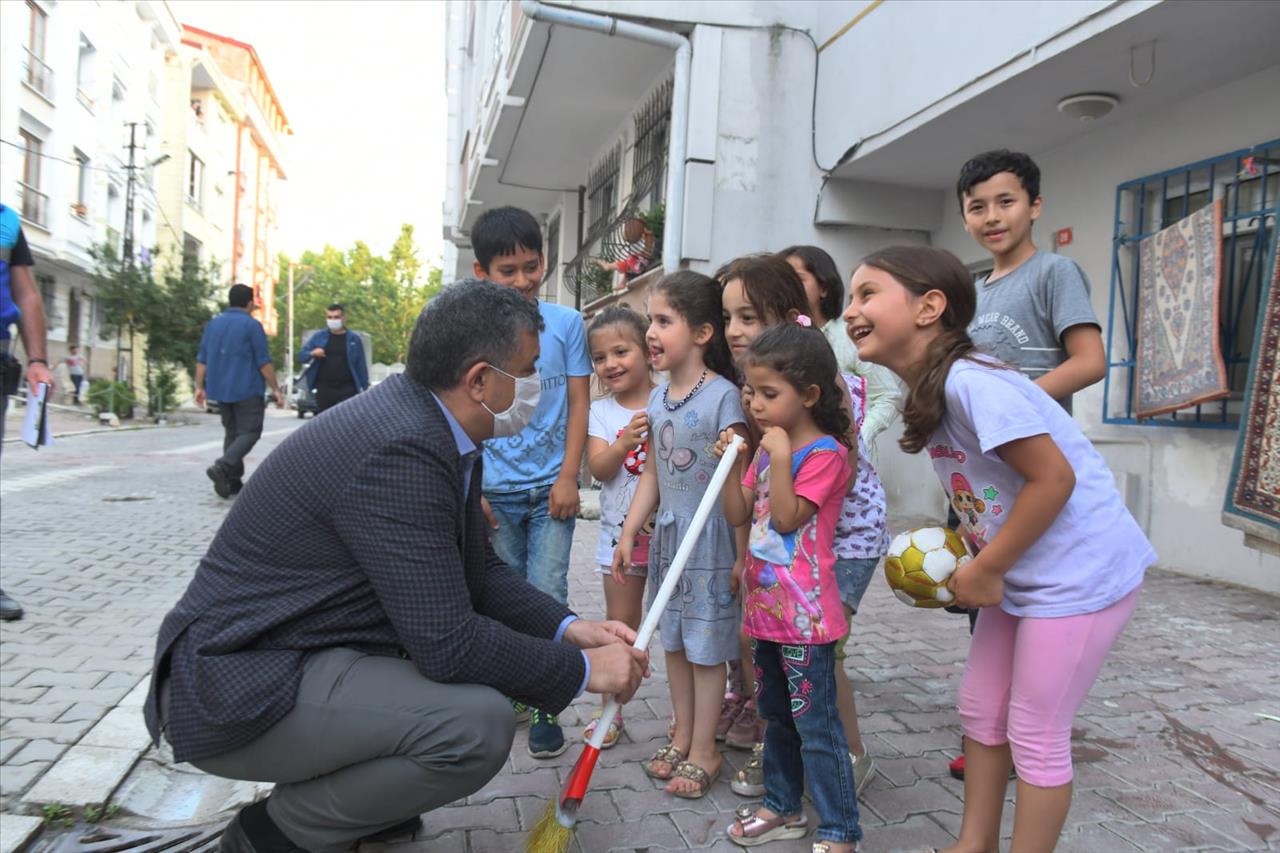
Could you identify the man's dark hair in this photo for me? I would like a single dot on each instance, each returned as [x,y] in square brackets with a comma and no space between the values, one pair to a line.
[337,306]
[504,231]
[988,164]
[468,322]
[240,296]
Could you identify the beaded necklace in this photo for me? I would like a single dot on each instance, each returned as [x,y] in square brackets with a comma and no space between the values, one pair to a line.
[666,404]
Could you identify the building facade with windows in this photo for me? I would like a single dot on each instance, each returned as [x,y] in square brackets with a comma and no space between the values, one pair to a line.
[255,179]
[200,127]
[844,124]
[77,82]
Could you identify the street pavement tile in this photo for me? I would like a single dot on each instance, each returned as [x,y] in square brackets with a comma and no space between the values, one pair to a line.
[1169,749]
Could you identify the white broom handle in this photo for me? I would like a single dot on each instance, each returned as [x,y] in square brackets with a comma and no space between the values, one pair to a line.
[668,588]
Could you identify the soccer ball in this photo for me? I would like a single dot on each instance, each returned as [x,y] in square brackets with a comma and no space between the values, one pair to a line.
[919,563]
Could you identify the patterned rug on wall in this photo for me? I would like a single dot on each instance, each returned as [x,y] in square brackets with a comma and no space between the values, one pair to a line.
[1179,360]
[1253,492]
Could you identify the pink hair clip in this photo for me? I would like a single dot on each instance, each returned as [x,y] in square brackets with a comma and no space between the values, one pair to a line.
[803,320]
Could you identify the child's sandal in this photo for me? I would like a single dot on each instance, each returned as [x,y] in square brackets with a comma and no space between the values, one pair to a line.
[669,755]
[698,776]
[755,830]
[611,735]
[749,781]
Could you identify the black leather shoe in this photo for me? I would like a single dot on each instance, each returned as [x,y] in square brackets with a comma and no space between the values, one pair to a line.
[236,839]
[10,610]
[221,482]
[236,485]
[410,827]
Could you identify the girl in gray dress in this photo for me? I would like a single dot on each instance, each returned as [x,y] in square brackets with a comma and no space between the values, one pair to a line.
[700,625]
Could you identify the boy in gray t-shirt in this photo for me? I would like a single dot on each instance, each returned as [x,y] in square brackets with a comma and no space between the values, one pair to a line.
[1033,308]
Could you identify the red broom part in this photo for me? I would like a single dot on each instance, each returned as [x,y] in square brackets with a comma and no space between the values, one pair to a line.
[575,787]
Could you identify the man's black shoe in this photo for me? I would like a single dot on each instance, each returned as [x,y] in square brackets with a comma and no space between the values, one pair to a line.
[236,485]
[238,838]
[221,482]
[10,610]
[409,827]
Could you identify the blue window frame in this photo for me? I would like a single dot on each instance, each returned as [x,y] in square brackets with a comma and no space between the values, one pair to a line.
[1248,181]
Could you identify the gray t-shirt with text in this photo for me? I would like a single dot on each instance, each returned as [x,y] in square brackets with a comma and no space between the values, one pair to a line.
[1022,316]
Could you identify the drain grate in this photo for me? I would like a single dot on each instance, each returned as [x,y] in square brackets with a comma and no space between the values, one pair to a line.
[84,838]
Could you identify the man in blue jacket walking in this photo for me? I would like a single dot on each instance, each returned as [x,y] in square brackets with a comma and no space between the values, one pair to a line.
[337,369]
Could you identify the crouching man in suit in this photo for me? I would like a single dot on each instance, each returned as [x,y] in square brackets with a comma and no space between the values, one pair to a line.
[353,638]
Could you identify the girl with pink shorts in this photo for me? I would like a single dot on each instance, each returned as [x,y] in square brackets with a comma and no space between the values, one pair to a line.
[1059,559]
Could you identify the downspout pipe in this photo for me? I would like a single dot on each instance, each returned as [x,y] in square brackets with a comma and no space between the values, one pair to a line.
[673,228]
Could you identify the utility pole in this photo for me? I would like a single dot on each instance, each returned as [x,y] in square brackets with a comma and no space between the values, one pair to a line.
[123,375]
[129,193]
[288,349]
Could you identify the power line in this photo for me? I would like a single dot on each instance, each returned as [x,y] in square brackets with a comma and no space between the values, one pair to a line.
[83,165]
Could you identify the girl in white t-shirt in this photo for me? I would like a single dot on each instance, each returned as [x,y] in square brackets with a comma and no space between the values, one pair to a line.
[1059,559]
[617,445]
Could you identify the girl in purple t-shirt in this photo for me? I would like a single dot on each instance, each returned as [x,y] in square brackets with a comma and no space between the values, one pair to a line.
[791,496]
[1059,559]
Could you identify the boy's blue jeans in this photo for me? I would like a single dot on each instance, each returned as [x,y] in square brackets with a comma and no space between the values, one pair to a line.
[796,693]
[530,541]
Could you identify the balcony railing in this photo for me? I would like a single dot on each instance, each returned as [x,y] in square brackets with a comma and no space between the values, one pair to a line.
[34,205]
[37,75]
[584,275]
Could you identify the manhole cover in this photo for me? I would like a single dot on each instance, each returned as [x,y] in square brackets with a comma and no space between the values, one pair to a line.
[85,838]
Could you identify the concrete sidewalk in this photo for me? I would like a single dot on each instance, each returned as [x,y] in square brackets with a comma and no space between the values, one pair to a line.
[1173,749]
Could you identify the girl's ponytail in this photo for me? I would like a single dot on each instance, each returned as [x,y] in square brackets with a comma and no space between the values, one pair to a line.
[921,269]
[927,401]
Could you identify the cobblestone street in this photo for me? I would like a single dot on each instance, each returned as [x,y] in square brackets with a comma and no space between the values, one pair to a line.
[1174,747]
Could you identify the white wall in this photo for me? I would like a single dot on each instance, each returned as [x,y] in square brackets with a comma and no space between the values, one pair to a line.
[1181,473]
[902,57]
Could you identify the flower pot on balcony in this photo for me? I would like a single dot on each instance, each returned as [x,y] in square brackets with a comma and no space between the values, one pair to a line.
[80,210]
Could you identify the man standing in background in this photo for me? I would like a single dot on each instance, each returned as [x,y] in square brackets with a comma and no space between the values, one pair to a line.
[337,369]
[234,367]
[20,303]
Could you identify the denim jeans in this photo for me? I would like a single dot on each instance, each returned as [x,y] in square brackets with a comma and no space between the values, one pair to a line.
[530,541]
[796,694]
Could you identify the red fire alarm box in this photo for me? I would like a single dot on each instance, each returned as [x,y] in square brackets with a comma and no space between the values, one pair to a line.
[1064,237]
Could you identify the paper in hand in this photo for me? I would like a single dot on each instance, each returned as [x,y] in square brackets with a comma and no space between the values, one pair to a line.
[35,426]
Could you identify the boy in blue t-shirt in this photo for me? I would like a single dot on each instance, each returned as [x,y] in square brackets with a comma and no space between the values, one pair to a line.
[531,478]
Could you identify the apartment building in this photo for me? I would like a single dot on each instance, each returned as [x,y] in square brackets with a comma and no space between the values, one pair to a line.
[844,124]
[260,133]
[78,83]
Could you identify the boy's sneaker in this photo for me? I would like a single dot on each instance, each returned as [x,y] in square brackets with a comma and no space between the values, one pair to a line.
[546,740]
[521,711]
[863,769]
[747,730]
[729,711]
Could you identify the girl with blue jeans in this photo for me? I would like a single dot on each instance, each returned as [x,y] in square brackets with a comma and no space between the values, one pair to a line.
[791,495]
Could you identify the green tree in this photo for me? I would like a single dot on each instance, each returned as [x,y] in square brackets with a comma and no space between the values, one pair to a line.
[170,315]
[383,295]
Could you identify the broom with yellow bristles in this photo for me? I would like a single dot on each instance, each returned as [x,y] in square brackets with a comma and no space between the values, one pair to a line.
[554,830]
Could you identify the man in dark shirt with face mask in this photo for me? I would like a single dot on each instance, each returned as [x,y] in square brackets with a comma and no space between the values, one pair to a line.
[337,370]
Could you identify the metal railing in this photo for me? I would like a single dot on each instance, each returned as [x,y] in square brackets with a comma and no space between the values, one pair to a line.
[37,74]
[584,275]
[34,205]
[1247,181]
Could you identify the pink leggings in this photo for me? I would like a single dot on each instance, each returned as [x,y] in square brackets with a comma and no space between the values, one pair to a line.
[1027,677]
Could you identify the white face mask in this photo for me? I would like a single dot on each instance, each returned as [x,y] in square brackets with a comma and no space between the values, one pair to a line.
[334,325]
[520,413]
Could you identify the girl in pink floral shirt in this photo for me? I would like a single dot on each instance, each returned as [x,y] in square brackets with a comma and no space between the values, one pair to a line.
[791,495]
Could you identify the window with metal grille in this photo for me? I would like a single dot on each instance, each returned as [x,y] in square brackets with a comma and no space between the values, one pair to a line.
[1248,183]
[602,192]
[649,160]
